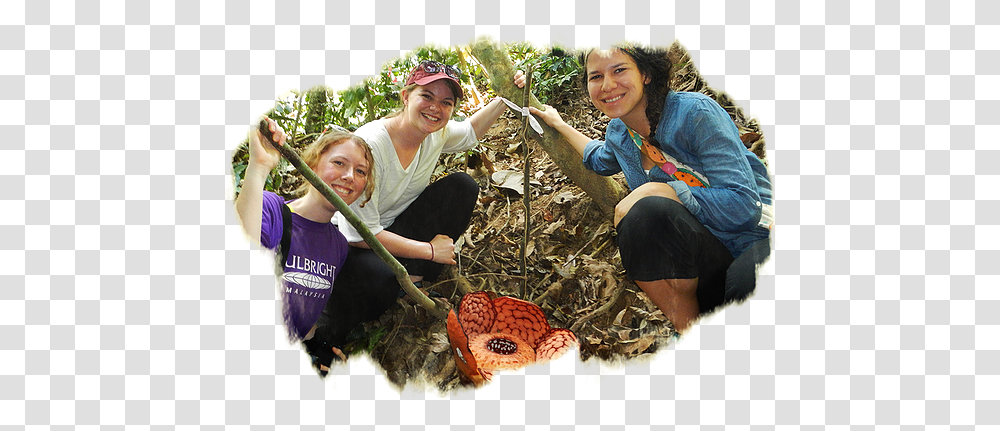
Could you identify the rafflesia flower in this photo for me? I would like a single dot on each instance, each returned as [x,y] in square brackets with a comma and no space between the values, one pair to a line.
[505,333]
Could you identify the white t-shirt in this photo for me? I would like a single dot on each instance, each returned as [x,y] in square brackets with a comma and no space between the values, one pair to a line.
[395,187]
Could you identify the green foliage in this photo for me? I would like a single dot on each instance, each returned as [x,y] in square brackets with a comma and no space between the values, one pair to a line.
[305,115]
[519,52]
[345,108]
[378,96]
[553,74]
[552,71]
[317,102]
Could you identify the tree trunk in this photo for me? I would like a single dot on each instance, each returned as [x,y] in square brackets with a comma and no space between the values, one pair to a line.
[604,191]
[315,120]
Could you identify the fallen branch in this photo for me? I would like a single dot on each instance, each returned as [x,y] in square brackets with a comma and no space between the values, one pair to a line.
[464,286]
[619,290]
[553,289]
[401,275]
[600,231]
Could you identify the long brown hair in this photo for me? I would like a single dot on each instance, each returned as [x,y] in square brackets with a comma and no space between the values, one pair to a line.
[312,154]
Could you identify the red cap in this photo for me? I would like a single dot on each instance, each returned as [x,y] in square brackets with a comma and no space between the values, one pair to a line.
[421,76]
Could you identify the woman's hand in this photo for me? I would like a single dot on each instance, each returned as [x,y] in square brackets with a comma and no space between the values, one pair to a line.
[444,250]
[263,155]
[549,115]
[520,79]
[263,158]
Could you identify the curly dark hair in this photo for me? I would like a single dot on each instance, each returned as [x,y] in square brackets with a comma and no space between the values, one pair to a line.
[654,64]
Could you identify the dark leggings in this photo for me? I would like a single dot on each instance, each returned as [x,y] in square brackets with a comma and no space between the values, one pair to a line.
[660,239]
[366,287]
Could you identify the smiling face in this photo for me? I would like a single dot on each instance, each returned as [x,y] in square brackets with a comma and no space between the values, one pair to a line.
[615,85]
[345,167]
[428,107]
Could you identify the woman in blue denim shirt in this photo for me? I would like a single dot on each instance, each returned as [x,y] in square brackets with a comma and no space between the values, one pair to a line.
[698,197]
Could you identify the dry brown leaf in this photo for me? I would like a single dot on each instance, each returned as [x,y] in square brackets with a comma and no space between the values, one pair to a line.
[623,334]
[640,345]
[552,227]
[656,316]
[751,137]
[439,342]
[563,197]
[620,317]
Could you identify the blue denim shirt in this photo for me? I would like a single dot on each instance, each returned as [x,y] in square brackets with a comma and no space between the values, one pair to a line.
[696,131]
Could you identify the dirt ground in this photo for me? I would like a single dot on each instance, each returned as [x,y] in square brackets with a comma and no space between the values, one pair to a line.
[573,269]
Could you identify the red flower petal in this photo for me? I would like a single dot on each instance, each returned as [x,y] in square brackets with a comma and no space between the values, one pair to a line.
[477,314]
[555,344]
[465,361]
[520,318]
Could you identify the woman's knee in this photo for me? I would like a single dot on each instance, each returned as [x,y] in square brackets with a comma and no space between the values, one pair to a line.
[455,191]
[650,222]
[622,209]
[463,185]
[650,212]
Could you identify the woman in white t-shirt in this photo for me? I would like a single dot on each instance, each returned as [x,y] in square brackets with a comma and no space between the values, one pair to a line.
[417,222]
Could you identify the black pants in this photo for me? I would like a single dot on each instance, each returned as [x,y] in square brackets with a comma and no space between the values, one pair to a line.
[366,287]
[660,239]
[741,277]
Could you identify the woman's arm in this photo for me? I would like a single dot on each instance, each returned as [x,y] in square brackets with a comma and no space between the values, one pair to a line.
[263,158]
[732,203]
[551,117]
[483,119]
[441,249]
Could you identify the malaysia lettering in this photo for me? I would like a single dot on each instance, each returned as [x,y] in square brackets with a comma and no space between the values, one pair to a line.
[306,293]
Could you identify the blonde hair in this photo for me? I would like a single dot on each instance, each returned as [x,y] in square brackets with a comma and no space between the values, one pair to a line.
[313,152]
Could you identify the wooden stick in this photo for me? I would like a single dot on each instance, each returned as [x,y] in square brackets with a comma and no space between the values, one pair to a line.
[527,187]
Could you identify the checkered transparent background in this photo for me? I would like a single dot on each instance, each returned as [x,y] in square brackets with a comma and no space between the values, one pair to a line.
[128,296]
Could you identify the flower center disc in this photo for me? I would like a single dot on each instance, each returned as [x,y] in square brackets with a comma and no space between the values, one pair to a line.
[502,346]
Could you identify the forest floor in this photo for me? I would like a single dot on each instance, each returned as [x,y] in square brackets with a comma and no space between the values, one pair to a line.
[573,269]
